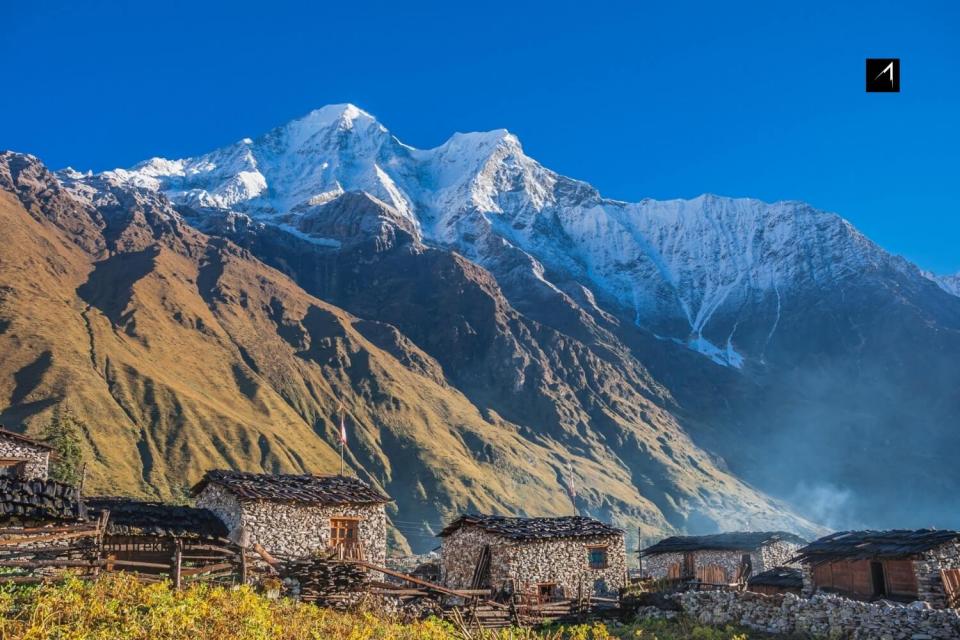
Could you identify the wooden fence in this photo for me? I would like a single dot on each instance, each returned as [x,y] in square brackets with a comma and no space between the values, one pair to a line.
[34,554]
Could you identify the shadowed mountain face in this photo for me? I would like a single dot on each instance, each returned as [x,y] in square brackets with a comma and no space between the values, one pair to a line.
[183,351]
[495,332]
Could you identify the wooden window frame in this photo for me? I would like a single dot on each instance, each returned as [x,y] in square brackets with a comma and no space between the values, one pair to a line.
[606,556]
[355,521]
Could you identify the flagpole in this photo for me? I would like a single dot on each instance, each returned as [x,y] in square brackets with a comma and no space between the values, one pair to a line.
[343,437]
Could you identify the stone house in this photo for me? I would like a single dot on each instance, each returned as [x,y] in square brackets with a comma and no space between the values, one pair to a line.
[721,558]
[23,457]
[542,559]
[298,515]
[903,565]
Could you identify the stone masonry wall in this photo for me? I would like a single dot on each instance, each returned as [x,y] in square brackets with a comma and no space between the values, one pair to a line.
[929,582]
[38,459]
[294,529]
[567,563]
[767,557]
[823,615]
[777,554]
[658,566]
[460,551]
[564,562]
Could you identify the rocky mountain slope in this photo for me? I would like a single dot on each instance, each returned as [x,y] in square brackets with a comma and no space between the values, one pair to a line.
[182,351]
[661,353]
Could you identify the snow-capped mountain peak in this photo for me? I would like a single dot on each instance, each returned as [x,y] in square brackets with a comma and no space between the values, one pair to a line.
[685,269]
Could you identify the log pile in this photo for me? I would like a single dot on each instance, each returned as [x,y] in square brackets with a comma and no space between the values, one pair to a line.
[27,501]
[324,580]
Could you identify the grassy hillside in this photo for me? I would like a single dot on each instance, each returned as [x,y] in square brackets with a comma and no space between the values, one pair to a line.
[182,352]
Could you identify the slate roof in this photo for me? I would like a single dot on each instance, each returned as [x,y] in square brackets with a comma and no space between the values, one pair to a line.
[129,517]
[308,489]
[19,437]
[534,528]
[895,543]
[38,499]
[783,577]
[731,541]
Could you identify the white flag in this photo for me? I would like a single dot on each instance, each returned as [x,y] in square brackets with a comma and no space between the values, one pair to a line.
[343,429]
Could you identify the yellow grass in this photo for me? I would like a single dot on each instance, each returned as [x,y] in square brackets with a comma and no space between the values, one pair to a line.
[117,607]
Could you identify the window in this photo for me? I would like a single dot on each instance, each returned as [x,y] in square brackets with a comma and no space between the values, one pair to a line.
[597,557]
[344,532]
[547,592]
[13,468]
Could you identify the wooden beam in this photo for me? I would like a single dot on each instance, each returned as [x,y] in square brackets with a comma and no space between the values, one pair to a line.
[145,565]
[51,563]
[177,561]
[61,529]
[210,568]
[418,581]
[269,559]
[18,540]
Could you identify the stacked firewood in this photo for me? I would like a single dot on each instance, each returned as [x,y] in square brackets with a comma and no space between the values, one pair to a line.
[26,500]
[324,580]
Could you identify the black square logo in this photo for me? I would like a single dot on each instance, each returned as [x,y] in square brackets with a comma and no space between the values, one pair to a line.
[883,75]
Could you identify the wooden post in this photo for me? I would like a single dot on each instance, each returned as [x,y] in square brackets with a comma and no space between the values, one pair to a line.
[243,565]
[98,541]
[177,559]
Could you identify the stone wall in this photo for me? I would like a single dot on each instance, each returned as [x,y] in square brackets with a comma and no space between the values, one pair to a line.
[295,529]
[460,551]
[38,458]
[929,583]
[777,554]
[658,566]
[564,562]
[823,615]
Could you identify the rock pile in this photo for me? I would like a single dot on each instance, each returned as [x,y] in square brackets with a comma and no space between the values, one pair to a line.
[823,615]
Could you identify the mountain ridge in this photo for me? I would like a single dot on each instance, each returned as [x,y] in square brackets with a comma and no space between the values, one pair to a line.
[183,352]
[708,363]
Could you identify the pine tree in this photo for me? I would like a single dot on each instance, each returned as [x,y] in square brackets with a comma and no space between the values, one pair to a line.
[64,433]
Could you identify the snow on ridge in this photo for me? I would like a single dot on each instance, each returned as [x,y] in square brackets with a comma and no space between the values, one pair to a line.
[689,261]
[949,283]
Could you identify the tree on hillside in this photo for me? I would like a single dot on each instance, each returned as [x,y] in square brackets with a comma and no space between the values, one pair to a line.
[64,433]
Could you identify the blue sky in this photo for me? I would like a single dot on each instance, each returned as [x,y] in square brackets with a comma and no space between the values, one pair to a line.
[662,100]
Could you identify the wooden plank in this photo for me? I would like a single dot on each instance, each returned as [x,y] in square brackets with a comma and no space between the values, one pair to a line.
[61,529]
[18,540]
[418,581]
[862,578]
[144,565]
[50,563]
[192,571]
[951,586]
[30,579]
[901,577]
